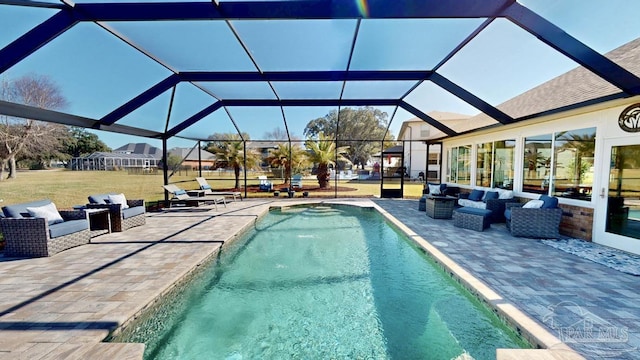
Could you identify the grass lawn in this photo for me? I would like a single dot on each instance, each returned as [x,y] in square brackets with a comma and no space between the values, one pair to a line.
[67,188]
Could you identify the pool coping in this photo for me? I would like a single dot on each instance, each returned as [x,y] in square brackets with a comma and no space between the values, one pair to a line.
[549,346]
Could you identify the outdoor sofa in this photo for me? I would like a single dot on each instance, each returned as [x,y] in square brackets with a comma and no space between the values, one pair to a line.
[125,217]
[38,229]
[493,199]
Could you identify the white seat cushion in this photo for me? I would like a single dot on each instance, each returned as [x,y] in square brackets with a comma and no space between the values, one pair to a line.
[471,203]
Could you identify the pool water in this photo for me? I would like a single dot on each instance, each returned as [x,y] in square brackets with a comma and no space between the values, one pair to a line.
[322,283]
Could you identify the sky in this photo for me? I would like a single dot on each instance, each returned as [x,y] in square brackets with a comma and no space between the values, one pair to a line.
[97,72]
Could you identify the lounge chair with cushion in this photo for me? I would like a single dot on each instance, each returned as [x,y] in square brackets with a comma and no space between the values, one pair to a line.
[204,185]
[125,213]
[183,197]
[296,181]
[265,184]
[538,219]
[37,229]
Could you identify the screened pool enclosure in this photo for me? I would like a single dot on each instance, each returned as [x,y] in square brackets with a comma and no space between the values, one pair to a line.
[257,73]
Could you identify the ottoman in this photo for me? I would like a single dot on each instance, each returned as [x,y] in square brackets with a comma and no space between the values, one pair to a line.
[472,218]
[422,203]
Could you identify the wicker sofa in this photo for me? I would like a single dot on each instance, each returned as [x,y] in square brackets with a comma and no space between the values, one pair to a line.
[121,219]
[538,222]
[27,236]
[480,198]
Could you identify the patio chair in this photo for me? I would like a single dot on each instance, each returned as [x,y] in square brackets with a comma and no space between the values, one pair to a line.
[265,184]
[188,198]
[296,181]
[122,217]
[204,185]
[538,219]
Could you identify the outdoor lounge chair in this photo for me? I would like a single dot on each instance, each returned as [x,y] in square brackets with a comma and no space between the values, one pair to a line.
[296,181]
[265,185]
[541,222]
[122,217]
[204,185]
[181,196]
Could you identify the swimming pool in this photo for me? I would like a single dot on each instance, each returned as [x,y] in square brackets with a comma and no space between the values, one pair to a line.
[321,282]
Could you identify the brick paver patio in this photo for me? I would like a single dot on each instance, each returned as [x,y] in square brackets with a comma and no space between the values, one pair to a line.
[65,305]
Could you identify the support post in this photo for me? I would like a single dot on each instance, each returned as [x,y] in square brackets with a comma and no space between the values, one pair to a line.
[165,169]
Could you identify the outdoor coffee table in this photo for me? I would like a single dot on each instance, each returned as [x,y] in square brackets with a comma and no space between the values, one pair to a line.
[99,221]
[440,207]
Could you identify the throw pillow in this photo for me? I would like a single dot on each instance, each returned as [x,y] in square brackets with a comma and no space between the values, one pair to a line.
[49,212]
[119,199]
[181,192]
[491,195]
[476,195]
[505,194]
[434,189]
[550,202]
[205,187]
[533,204]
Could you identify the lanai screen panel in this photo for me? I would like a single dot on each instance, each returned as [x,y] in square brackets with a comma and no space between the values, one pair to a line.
[17,20]
[202,61]
[95,71]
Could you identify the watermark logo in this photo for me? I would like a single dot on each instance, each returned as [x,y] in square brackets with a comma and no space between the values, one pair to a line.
[586,332]
[629,119]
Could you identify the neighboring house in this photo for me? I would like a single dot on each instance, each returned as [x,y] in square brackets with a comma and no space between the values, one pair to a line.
[113,161]
[415,133]
[191,159]
[140,148]
[130,156]
[263,148]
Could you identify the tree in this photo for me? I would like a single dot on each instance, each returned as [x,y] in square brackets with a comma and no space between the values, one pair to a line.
[173,162]
[19,136]
[276,134]
[80,142]
[229,151]
[288,157]
[323,153]
[350,127]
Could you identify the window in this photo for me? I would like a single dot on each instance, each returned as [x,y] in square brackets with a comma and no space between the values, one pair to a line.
[494,164]
[503,164]
[560,164]
[484,164]
[537,164]
[433,159]
[460,165]
[425,131]
[573,163]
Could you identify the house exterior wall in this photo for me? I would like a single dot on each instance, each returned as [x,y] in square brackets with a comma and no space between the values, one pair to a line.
[581,217]
[415,152]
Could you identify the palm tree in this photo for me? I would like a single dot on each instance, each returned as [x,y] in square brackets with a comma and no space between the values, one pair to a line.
[287,157]
[323,153]
[584,146]
[230,151]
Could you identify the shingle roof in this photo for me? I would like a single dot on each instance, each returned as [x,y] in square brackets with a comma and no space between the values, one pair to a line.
[183,152]
[140,148]
[575,86]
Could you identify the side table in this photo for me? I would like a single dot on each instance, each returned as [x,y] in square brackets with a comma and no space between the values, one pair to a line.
[99,221]
[440,207]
